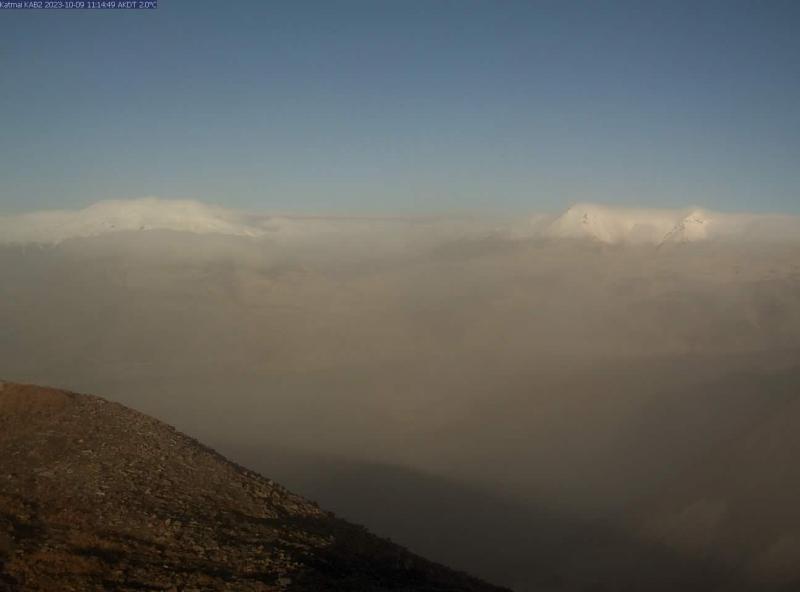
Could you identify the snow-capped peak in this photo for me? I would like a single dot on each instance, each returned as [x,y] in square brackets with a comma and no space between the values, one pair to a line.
[609,224]
[614,225]
[693,227]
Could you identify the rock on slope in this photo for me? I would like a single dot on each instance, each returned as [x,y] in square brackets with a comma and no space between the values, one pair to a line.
[95,496]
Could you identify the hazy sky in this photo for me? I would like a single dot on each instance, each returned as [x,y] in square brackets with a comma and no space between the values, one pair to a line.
[404,105]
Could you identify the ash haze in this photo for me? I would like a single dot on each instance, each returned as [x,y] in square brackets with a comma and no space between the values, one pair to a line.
[551,402]
[516,284]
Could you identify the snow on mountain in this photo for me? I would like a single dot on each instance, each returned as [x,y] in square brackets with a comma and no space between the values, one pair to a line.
[615,225]
[148,213]
[600,223]
[694,227]
[393,233]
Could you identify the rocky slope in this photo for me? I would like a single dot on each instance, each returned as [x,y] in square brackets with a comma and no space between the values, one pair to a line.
[95,496]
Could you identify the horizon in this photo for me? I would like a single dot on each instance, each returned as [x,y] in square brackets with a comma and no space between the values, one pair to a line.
[610,224]
[398,214]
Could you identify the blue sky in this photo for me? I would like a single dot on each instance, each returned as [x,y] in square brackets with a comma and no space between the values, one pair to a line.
[404,105]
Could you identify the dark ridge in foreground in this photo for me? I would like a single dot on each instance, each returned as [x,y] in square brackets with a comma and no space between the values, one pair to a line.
[95,496]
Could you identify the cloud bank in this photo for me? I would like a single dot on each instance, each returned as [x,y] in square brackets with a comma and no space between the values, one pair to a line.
[542,372]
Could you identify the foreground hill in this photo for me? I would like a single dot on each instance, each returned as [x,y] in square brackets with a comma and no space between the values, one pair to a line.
[95,496]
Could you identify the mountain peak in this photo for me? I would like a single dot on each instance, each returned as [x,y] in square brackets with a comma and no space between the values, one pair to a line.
[693,227]
[612,224]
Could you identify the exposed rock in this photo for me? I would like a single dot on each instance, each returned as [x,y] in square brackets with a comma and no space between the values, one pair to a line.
[95,496]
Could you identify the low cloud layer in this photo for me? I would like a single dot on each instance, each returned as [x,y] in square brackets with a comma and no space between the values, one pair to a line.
[563,390]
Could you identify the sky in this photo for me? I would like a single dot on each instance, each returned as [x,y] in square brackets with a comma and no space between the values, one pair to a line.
[404,106]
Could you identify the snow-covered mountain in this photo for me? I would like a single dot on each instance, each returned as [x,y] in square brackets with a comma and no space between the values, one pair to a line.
[694,226]
[601,223]
[615,225]
[144,214]
[123,215]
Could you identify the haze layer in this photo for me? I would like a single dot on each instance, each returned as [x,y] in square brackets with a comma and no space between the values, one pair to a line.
[461,384]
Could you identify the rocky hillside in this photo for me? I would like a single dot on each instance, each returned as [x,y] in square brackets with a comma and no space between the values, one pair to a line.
[95,496]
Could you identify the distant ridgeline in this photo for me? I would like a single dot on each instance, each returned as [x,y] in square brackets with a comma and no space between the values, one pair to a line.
[606,224]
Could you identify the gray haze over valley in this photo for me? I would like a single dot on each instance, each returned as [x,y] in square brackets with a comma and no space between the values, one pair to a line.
[602,398]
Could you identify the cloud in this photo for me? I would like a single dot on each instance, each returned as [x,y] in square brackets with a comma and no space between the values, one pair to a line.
[486,351]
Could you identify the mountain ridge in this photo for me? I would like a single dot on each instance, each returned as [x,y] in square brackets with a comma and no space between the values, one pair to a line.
[96,496]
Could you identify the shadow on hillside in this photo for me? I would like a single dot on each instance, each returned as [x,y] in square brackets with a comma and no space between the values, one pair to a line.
[524,546]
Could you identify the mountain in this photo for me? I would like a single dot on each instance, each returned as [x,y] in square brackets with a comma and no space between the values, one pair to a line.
[619,225]
[122,219]
[600,223]
[124,215]
[614,225]
[693,227]
[95,496]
